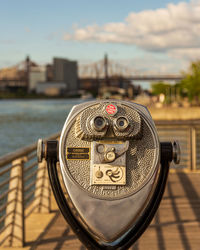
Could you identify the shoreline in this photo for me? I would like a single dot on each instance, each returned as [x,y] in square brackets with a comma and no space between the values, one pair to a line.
[164,113]
[171,113]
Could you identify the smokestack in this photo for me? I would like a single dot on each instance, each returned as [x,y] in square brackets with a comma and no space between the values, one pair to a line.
[27,71]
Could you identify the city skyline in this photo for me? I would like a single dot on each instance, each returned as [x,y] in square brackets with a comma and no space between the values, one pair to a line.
[151,36]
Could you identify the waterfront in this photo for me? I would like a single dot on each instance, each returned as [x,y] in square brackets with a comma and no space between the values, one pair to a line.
[32,119]
[22,122]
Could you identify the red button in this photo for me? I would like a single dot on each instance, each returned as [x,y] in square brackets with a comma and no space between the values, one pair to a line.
[111,109]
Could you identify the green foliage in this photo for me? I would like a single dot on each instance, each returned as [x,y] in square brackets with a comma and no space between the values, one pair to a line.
[188,87]
[160,88]
[191,82]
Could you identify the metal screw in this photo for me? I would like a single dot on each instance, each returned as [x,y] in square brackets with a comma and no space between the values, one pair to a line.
[110,156]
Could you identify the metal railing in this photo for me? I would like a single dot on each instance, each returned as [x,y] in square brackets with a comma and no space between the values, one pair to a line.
[24,189]
[187,133]
[24,185]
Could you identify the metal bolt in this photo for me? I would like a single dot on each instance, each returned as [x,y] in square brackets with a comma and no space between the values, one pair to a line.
[110,156]
[176,152]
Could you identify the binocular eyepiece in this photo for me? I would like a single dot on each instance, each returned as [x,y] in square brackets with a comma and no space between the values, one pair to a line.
[99,123]
[114,171]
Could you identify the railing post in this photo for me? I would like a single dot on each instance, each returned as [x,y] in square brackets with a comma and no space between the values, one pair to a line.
[14,222]
[42,190]
[193,148]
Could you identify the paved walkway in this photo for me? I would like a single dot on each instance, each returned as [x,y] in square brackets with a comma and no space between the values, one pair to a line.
[175,226]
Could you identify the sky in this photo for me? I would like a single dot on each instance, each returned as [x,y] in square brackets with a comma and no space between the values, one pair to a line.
[149,36]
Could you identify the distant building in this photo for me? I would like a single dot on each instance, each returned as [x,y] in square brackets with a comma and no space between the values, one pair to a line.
[51,88]
[59,78]
[49,73]
[34,78]
[16,77]
[66,71]
[36,74]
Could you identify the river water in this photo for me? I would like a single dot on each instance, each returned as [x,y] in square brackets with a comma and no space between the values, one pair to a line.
[22,122]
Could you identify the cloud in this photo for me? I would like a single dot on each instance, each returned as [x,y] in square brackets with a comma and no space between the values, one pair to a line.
[152,65]
[174,29]
[189,54]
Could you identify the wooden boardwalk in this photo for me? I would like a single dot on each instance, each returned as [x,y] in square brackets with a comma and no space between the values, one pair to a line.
[175,226]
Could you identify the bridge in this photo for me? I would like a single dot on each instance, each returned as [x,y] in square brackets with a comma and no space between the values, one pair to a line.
[175,78]
[30,219]
[95,77]
[104,70]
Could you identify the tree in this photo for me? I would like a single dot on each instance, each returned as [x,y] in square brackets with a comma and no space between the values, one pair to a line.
[191,82]
[160,88]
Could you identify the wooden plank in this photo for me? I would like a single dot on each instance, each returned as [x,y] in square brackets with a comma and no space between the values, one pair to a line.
[42,190]
[175,226]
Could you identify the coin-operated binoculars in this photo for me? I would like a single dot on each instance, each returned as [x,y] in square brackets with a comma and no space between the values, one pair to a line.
[114,171]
